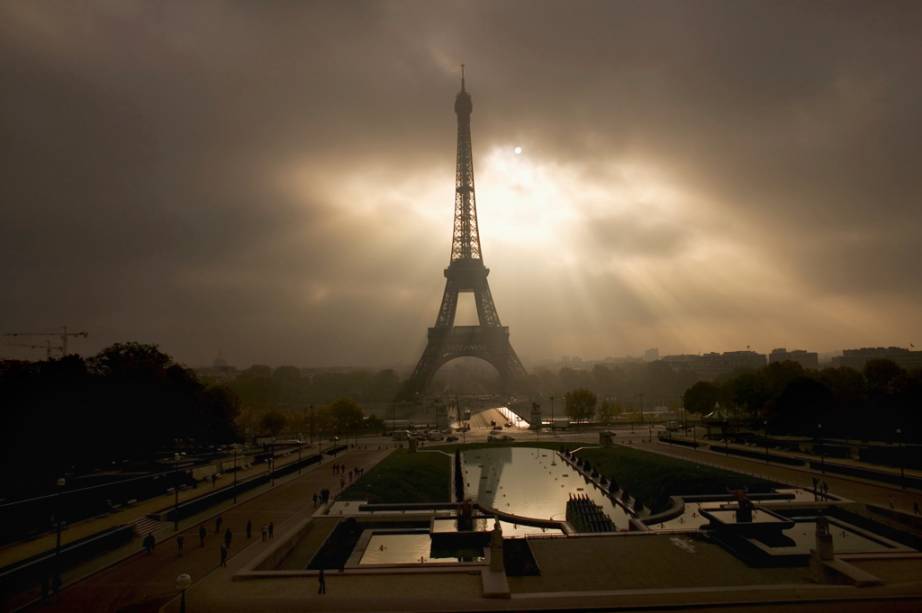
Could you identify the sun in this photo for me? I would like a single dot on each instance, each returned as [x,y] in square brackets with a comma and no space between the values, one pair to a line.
[517,150]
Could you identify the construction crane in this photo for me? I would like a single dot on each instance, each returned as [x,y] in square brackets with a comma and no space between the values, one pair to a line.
[46,347]
[63,335]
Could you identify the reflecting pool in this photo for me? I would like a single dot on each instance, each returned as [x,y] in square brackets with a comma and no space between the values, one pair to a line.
[530,482]
[413,548]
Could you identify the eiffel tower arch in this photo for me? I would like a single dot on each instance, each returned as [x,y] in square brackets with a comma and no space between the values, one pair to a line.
[489,340]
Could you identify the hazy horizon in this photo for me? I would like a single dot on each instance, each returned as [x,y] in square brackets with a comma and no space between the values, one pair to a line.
[274,182]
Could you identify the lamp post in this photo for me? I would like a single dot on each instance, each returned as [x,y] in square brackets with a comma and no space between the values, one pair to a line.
[641,408]
[61,482]
[765,438]
[270,461]
[176,457]
[235,472]
[819,436]
[899,435]
[300,447]
[552,414]
[183,582]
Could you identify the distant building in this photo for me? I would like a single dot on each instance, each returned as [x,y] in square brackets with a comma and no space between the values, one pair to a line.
[807,359]
[712,365]
[220,371]
[857,358]
[651,355]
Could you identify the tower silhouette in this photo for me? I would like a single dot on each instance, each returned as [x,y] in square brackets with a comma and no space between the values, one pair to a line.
[466,273]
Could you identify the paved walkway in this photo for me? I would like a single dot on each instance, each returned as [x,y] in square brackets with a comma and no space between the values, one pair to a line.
[807,457]
[854,489]
[146,582]
[15,552]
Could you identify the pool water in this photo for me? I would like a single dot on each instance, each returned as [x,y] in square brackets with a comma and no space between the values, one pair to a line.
[530,482]
[412,548]
[844,540]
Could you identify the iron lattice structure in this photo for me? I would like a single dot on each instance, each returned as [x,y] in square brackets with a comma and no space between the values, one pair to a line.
[466,273]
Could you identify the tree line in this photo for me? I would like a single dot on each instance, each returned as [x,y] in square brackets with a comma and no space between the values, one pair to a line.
[126,403]
[881,402]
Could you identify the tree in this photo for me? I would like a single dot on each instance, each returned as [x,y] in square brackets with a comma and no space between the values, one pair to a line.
[346,416]
[701,397]
[273,422]
[608,409]
[580,404]
[803,404]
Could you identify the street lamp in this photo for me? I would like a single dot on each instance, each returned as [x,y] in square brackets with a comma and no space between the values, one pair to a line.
[899,434]
[176,457]
[765,438]
[819,436]
[235,445]
[61,482]
[183,582]
[269,462]
[552,415]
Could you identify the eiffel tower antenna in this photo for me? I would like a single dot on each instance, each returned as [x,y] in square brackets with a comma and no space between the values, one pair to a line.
[466,273]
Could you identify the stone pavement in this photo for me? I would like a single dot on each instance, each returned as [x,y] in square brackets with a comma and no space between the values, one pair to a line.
[15,552]
[146,582]
[860,490]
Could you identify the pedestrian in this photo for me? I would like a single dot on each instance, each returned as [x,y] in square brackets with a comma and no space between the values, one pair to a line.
[45,587]
[180,541]
[223,555]
[265,532]
[249,529]
[201,534]
[271,529]
[815,488]
[149,542]
[217,524]
[228,536]
[321,583]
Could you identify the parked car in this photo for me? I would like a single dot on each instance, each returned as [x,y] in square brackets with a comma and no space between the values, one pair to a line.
[451,438]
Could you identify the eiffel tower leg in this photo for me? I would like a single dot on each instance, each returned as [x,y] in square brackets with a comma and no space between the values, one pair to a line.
[486,310]
[424,371]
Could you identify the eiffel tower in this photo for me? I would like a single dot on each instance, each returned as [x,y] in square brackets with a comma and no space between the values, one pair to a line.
[466,273]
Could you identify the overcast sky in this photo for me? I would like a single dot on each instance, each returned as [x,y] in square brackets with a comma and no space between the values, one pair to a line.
[274,180]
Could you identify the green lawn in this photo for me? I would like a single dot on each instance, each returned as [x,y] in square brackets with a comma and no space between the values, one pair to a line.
[404,477]
[652,478]
[542,444]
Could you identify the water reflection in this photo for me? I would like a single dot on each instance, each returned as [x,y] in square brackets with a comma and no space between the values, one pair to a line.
[530,482]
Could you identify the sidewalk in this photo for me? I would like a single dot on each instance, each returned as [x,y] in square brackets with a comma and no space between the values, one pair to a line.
[805,457]
[859,490]
[15,552]
[128,576]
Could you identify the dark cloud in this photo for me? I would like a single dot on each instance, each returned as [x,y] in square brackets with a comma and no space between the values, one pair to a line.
[263,178]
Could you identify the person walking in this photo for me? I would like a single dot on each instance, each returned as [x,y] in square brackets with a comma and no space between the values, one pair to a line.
[228,537]
[321,583]
[217,524]
[149,542]
[815,489]
[265,532]
[271,529]
[180,541]
[201,534]
[249,528]
[223,555]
